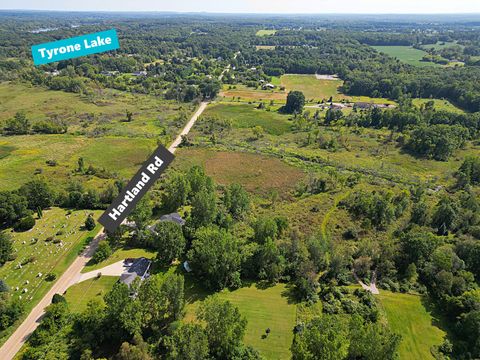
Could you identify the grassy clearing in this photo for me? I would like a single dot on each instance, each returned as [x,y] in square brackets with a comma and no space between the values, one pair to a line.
[407,316]
[246,116]
[22,155]
[439,105]
[104,112]
[120,254]
[264,47]
[80,294]
[249,94]
[265,32]
[263,308]
[265,175]
[46,257]
[442,45]
[313,88]
[406,54]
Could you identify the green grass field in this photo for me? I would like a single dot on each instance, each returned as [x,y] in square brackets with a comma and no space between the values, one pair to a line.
[80,294]
[265,32]
[441,45]
[313,88]
[268,308]
[408,317]
[44,257]
[22,155]
[246,116]
[406,54]
[439,105]
[247,94]
[104,112]
[118,255]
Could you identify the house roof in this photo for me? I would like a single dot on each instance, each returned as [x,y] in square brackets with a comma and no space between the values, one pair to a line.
[138,268]
[174,217]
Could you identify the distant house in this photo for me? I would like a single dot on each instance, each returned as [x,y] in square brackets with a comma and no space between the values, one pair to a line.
[174,217]
[337,106]
[109,73]
[52,73]
[139,73]
[268,86]
[136,268]
[363,105]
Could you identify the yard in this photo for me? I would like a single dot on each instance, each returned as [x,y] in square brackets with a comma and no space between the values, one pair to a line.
[80,294]
[407,316]
[263,308]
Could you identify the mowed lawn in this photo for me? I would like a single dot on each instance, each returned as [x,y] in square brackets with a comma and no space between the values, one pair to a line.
[80,294]
[313,88]
[244,93]
[118,255]
[263,308]
[247,116]
[408,317]
[406,54]
[439,105]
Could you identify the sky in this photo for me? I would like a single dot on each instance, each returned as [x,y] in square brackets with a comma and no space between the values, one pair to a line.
[255,6]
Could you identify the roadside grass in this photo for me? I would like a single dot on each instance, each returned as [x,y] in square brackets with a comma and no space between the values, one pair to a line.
[406,54]
[265,32]
[118,255]
[313,88]
[246,116]
[257,173]
[80,294]
[408,317]
[46,257]
[263,308]
[25,154]
[439,105]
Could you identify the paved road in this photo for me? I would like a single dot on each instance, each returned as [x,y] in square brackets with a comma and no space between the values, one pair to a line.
[21,334]
[73,273]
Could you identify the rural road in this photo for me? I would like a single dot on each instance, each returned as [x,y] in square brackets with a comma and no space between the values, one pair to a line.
[73,273]
[21,334]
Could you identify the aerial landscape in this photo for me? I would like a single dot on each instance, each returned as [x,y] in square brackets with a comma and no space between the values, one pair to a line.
[323,202]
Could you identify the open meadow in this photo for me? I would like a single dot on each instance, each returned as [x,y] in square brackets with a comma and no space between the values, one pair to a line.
[265,32]
[406,54]
[407,315]
[80,294]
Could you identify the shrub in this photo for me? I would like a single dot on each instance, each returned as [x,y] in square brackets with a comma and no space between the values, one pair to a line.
[25,223]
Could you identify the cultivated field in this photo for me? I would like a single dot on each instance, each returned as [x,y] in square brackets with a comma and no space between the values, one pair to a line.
[407,316]
[406,54]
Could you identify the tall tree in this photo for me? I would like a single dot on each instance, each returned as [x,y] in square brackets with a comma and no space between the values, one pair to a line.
[295,102]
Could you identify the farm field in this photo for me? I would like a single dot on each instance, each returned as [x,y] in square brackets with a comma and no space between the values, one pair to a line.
[23,155]
[313,88]
[80,294]
[263,308]
[244,116]
[41,256]
[407,316]
[250,94]
[265,32]
[406,54]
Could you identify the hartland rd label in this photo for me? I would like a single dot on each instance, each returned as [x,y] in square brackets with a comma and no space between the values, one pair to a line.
[75,47]
[123,205]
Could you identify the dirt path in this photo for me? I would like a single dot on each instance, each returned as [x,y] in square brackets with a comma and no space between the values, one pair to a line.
[21,334]
[187,127]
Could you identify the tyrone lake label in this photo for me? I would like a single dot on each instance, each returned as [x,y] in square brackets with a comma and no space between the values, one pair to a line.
[75,47]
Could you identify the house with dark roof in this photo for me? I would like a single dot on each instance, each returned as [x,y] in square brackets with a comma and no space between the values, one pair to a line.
[137,268]
[174,217]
